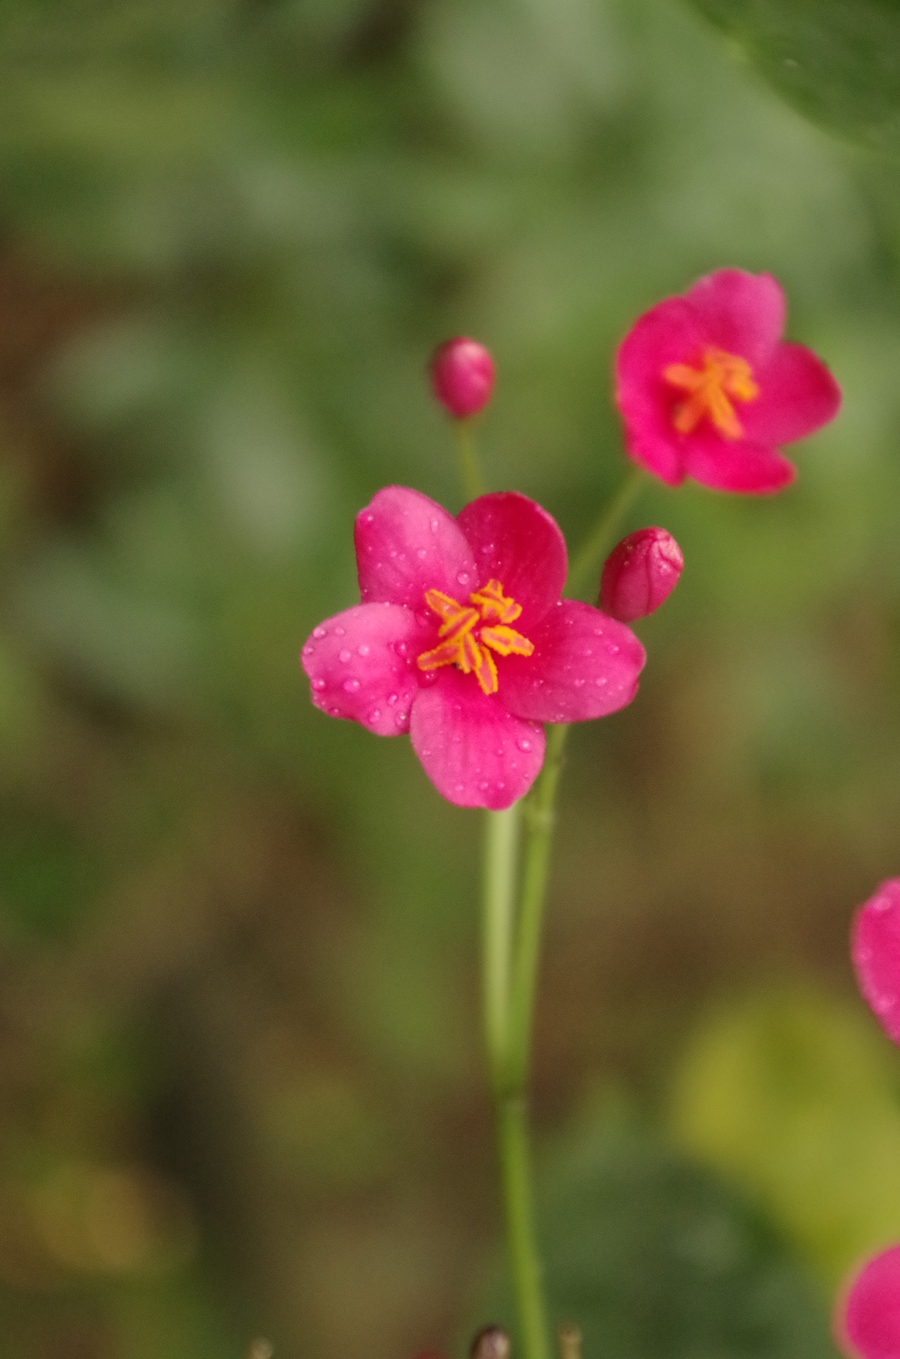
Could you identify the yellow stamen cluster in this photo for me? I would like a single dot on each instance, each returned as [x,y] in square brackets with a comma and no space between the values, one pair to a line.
[465,643]
[711,388]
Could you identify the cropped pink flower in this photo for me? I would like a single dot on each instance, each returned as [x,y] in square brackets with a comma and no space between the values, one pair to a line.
[708,389]
[868,1323]
[462,640]
[875,949]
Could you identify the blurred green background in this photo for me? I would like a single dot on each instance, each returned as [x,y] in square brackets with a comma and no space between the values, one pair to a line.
[241,1089]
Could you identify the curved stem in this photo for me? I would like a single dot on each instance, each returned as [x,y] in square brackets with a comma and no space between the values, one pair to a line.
[469,471]
[598,540]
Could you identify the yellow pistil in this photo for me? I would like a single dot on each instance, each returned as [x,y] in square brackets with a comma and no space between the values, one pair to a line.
[467,645]
[711,388]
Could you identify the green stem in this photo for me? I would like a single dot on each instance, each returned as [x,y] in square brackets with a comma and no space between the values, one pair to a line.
[498,922]
[539,821]
[512,1137]
[469,471]
[598,542]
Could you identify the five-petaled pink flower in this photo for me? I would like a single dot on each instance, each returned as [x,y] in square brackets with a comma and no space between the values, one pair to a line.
[707,388]
[868,1320]
[462,640]
[875,949]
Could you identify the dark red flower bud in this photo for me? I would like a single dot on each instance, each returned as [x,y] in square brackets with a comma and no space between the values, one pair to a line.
[639,574]
[462,376]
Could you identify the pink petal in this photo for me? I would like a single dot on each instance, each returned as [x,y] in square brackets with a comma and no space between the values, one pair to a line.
[735,465]
[407,544]
[362,665]
[797,395]
[668,333]
[739,312]
[875,949]
[871,1320]
[584,665]
[475,752]
[519,544]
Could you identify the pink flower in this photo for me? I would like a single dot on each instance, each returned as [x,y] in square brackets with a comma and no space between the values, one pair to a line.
[640,574]
[707,388]
[462,640]
[462,376]
[875,949]
[870,1320]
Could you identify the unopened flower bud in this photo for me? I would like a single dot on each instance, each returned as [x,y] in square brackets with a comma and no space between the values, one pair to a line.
[491,1342]
[640,574]
[462,376]
[868,1318]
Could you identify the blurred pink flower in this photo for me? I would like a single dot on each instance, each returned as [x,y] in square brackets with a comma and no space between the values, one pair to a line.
[462,640]
[640,574]
[875,949]
[462,376]
[707,388]
[868,1320]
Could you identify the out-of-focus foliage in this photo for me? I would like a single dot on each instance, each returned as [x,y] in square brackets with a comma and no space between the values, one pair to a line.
[838,63]
[240,1082]
[796,1097]
[653,1256]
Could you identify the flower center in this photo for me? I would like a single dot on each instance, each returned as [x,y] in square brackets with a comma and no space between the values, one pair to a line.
[465,643]
[710,390]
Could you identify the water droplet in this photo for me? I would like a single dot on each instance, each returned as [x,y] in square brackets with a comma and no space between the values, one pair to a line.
[422,553]
[598,632]
[339,632]
[344,655]
[374,714]
[392,699]
[335,712]
[425,754]
[319,684]
[881,904]
[601,682]
[587,652]
[364,648]
[463,577]
[401,719]
[369,519]
[579,684]
[308,649]
[401,648]
[483,787]
[524,745]
[612,648]
[435,525]
[319,632]
[487,548]
[460,788]
[393,554]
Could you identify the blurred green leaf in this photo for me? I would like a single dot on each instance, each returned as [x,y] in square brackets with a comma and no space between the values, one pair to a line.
[650,1255]
[838,63]
[795,1096]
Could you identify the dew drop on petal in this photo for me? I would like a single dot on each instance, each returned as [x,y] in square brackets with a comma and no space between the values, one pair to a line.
[422,553]
[612,648]
[523,744]
[401,719]
[364,648]
[392,699]
[579,684]
[369,519]
[601,682]
[587,652]
[319,632]
[339,632]
[374,714]
[460,788]
[483,787]
[463,577]
[335,712]
[881,904]
[351,686]
[319,684]
[344,655]
[435,525]
[308,649]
